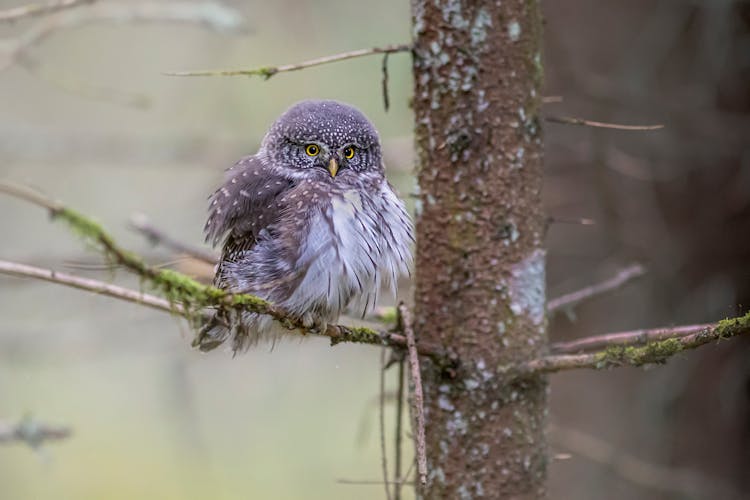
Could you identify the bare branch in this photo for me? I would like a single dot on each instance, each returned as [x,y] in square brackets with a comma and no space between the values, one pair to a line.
[571,299]
[269,71]
[618,355]
[369,482]
[418,402]
[90,285]
[17,13]
[31,195]
[634,337]
[31,432]
[155,236]
[569,120]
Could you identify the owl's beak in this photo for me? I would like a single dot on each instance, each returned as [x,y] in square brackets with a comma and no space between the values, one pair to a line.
[333,167]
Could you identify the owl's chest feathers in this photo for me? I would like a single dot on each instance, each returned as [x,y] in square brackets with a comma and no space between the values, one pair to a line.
[339,257]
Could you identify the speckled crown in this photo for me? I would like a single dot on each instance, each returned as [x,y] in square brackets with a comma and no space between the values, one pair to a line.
[335,123]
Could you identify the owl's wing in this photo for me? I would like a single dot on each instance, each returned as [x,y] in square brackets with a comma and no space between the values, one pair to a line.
[244,205]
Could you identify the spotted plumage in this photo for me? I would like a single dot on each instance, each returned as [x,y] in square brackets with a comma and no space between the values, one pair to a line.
[309,223]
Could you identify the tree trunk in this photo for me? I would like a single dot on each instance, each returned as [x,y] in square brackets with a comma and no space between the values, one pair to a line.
[480,264]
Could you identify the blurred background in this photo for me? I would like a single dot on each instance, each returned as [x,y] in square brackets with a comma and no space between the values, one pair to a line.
[88,117]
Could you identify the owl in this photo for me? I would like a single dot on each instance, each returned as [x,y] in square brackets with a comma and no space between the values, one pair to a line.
[309,223]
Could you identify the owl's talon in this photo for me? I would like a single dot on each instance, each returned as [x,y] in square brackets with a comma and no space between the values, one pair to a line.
[313,325]
[308,321]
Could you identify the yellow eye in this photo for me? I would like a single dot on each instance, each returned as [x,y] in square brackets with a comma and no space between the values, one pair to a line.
[312,150]
[349,153]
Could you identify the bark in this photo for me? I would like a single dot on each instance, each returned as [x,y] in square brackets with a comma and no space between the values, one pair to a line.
[480,264]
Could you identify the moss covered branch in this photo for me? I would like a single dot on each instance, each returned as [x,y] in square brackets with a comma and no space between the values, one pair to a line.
[616,355]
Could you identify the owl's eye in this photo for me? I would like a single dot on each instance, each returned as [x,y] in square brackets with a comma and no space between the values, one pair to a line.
[349,153]
[312,150]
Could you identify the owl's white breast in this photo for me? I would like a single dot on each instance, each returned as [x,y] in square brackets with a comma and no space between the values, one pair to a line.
[353,246]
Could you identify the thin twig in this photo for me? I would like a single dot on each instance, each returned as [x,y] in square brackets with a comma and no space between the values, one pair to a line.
[16,13]
[156,236]
[634,337]
[418,402]
[618,355]
[569,120]
[397,479]
[369,482]
[32,432]
[269,71]
[90,285]
[381,421]
[571,299]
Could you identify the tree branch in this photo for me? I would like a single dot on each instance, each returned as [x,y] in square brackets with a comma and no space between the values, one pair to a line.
[634,337]
[31,432]
[89,285]
[155,236]
[617,355]
[571,299]
[569,120]
[418,401]
[16,13]
[269,71]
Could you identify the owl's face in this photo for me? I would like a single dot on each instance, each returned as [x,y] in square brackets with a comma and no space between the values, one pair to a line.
[324,140]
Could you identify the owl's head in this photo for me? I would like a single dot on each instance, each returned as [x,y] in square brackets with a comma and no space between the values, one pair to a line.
[323,139]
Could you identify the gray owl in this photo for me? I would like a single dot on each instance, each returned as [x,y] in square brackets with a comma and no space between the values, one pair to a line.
[308,223]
